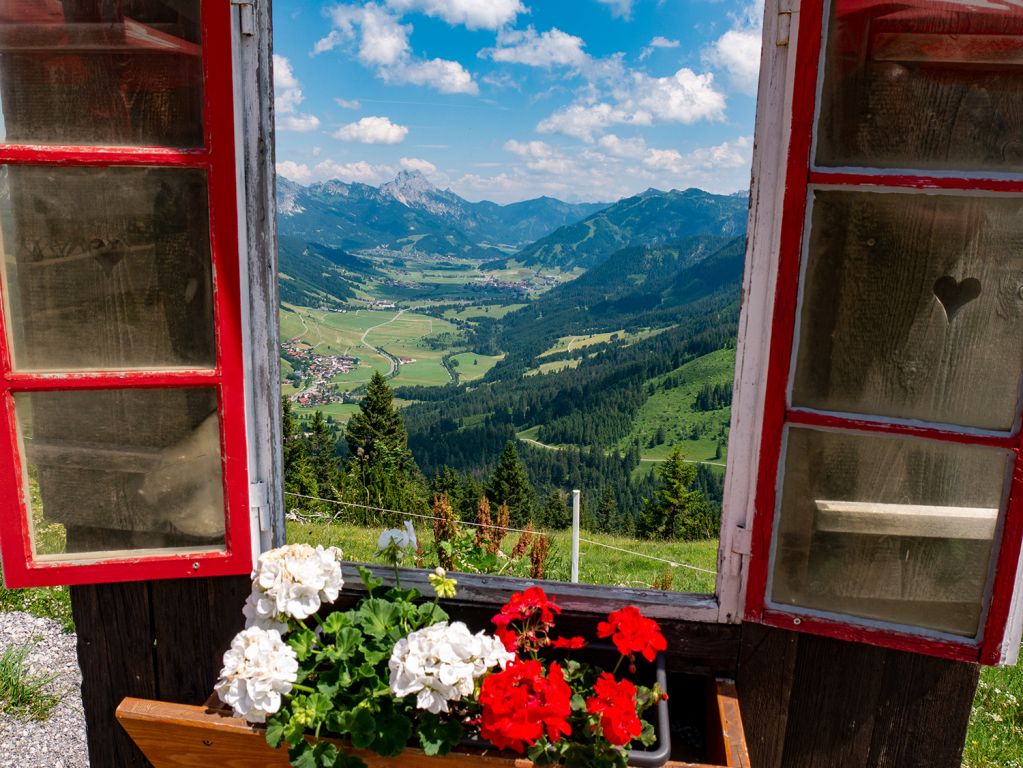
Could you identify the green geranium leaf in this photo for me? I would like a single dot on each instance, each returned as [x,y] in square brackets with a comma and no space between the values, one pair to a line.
[392,734]
[362,729]
[321,755]
[369,579]
[274,733]
[648,736]
[347,643]
[436,736]
[337,621]
[378,617]
[302,642]
[429,614]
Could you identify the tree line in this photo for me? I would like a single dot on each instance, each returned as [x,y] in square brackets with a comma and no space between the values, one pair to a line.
[371,468]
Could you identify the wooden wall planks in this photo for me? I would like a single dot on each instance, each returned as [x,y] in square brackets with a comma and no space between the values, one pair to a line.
[813,701]
[160,640]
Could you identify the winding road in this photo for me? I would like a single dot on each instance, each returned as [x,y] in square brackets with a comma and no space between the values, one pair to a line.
[392,362]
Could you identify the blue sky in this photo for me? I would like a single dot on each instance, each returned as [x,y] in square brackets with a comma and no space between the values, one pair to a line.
[511,99]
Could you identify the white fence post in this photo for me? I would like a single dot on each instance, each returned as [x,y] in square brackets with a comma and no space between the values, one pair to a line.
[575,536]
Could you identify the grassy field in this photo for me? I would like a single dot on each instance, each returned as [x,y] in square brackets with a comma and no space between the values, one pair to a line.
[571,343]
[553,367]
[361,333]
[597,564]
[471,366]
[674,410]
[496,311]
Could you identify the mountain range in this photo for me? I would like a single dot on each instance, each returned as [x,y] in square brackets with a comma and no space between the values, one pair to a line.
[652,218]
[411,214]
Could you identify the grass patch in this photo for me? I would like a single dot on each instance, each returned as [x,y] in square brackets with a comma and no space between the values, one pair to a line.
[554,367]
[597,564]
[995,737]
[695,432]
[472,366]
[496,311]
[22,691]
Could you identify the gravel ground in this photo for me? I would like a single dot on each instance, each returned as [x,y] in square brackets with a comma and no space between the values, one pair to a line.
[58,741]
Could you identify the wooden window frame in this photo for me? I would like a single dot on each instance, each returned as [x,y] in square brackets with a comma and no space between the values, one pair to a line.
[234,63]
[784,181]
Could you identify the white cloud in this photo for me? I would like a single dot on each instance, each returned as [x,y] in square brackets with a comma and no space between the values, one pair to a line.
[383,41]
[348,103]
[383,44]
[297,123]
[684,97]
[633,149]
[360,171]
[295,171]
[611,170]
[663,42]
[529,148]
[287,91]
[287,97]
[737,51]
[724,156]
[547,49]
[372,130]
[657,42]
[619,8]
[328,43]
[474,14]
[582,121]
[446,76]
[418,164]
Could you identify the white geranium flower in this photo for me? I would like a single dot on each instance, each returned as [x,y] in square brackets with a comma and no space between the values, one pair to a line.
[259,668]
[402,538]
[292,581]
[441,664]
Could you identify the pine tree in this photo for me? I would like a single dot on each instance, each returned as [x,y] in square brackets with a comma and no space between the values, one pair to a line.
[322,455]
[679,510]
[607,512]
[377,431]
[381,471]
[555,513]
[299,476]
[510,485]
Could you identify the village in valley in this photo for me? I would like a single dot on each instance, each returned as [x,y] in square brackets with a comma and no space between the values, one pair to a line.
[316,373]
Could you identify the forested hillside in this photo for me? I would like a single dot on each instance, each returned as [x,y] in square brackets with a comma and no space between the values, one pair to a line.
[652,218]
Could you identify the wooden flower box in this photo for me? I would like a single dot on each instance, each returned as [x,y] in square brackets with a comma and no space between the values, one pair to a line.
[183,736]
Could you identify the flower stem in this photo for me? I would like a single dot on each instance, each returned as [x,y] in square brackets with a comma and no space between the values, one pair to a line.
[303,688]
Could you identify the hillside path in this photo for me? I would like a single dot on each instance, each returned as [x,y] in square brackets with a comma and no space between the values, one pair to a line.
[546,447]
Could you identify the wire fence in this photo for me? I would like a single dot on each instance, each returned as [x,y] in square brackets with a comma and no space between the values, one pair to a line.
[306,517]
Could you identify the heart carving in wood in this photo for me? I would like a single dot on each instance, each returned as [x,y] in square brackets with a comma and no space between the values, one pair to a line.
[955,294]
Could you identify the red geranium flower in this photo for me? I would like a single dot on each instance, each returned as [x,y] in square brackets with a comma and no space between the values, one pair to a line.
[632,632]
[571,643]
[534,614]
[519,702]
[615,702]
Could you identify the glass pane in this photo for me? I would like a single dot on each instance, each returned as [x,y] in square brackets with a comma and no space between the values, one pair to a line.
[918,84]
[122,72]
[122,470]
[894,529]
[913,308]
[107,268]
